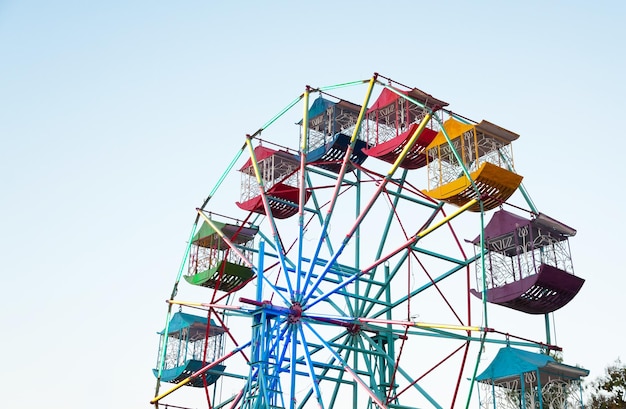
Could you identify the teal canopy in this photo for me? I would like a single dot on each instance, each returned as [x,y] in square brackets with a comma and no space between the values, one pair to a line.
[319,106]
[510,363]
[207,236]
[197,326]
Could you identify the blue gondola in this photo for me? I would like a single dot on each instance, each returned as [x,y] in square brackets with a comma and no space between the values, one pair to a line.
[331,125]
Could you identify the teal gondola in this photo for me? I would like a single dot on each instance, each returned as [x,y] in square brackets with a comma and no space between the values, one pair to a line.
[525,380]
[184,344]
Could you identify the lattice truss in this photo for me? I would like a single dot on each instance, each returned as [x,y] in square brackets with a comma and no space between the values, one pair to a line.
[322,128]
[514,257]
[274,169]
[474,148]
[188,344]
[390,121]
[556,393]
[203,258]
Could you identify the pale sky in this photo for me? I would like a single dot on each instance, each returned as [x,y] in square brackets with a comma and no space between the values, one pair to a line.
[117,118]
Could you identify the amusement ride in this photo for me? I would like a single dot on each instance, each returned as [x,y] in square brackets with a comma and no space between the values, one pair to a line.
[356,266]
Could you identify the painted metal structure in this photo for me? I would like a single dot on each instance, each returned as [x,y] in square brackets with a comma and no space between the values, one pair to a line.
[528,264]
[330,125]
[187,344]
[393,119]
[360,295]
[519,379]
[482,149]
[211,262]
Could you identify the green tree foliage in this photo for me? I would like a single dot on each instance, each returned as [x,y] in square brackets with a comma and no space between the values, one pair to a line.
[609,390]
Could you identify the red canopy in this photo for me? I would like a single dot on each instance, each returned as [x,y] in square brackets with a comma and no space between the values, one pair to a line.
[261,152]
[387,97]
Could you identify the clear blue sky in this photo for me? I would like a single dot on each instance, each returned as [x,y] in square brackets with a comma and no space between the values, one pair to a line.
[116,118]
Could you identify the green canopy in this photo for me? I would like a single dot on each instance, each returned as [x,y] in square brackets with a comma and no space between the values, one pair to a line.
[207,236]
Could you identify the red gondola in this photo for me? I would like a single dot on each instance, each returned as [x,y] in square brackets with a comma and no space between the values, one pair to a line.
[279,171]
[393,119]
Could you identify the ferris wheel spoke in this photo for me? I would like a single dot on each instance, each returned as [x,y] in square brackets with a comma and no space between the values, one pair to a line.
[270,343]
[311,369]
[432,283]
[330,301]
[267,209]
[391,216]
[323,376]
[351,298]
[226,239]
[302,190]
[286,264]
[369,365]
[324,237]
[342,171]
[326,368]
[280,253]
[340,178]
[414,383]
[390,361]
[347,368]
[199,373]
[325,221]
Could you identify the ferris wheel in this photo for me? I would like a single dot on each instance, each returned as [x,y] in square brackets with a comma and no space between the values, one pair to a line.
[339,278]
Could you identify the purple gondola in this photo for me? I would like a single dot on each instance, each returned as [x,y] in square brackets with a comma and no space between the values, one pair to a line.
[528,266]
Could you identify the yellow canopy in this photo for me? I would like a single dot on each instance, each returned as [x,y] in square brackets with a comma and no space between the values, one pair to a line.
[455,128]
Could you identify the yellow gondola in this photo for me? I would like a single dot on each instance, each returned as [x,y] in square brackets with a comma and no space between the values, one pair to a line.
[485,152]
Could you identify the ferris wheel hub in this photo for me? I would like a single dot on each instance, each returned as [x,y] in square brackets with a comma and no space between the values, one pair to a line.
[295,312]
